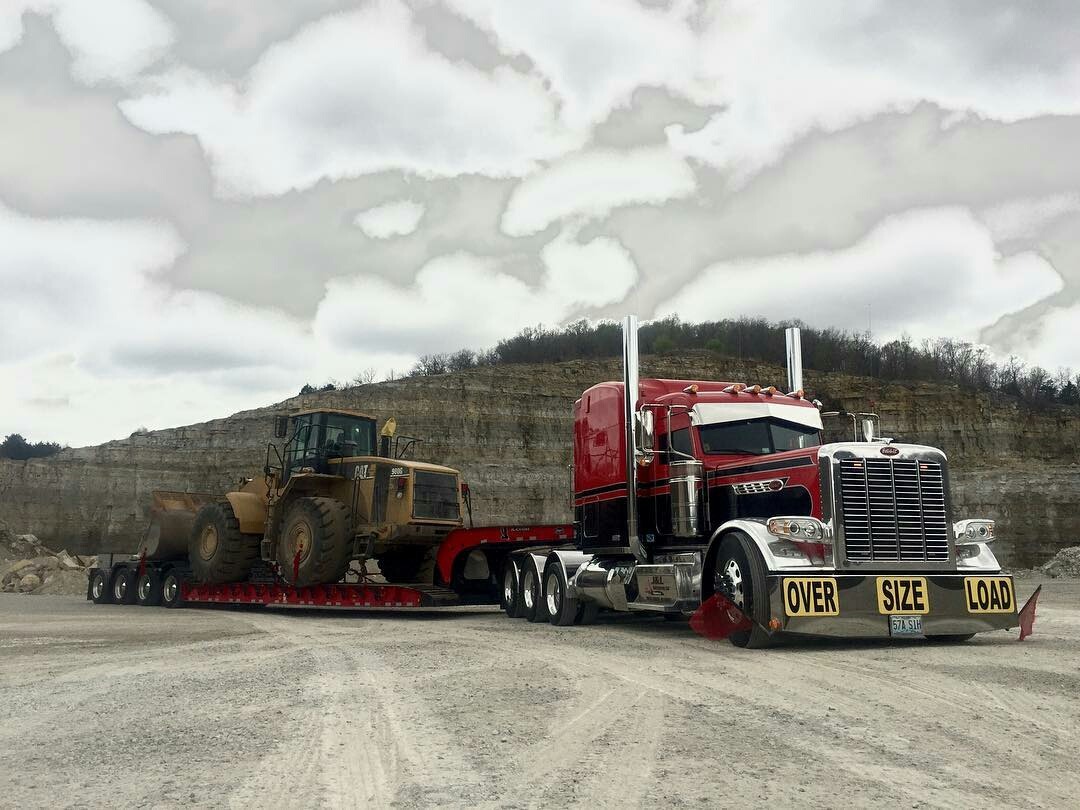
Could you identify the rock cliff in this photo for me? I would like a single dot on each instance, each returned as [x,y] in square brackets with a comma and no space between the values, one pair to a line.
[508,429]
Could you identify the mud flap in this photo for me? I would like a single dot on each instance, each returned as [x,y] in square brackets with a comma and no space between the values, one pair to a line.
[1027,614]
[719,617]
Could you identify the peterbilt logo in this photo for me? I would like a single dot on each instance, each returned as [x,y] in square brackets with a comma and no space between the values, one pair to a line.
[889,450]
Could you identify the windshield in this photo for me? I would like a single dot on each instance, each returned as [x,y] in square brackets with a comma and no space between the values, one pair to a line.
[348,436]
[757,437]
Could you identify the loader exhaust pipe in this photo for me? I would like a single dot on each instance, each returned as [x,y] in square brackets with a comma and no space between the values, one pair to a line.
[630,397]
[794,358]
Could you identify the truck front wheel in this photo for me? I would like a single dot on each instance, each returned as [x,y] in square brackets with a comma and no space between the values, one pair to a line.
[314,547]
[739,575]
[217,549]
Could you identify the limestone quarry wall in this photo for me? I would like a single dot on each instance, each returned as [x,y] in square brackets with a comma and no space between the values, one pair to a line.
[508,428]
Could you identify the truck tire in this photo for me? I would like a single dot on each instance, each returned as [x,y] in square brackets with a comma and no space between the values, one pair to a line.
[407,565]
[561,609]
[532,594]
[217,550]
[511,592]
[148,588]
[740,575]
[170,589]
[99,588]
[317,528]
[123,586]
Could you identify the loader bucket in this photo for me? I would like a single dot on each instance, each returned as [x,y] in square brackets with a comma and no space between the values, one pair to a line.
[171,517]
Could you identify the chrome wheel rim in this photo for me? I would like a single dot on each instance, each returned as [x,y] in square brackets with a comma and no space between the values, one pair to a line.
[169,591]
[144,588]
[733,579]
[509,580]
[98,587]
[554,593]
[527,595]
[120,588]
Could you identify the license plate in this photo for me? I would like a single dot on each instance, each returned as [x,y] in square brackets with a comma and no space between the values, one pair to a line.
[902,596]
[989,595]
[905,626]
[811,596]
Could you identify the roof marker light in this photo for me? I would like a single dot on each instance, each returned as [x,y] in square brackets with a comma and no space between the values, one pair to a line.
[691,389]
[770,391]
[756,389]
[797,394]
[735,389]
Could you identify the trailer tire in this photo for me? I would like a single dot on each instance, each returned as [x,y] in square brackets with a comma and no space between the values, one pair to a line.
[99,588]
[532,594]
[562,609]
[739,573]
[319,529]
[218,551]
[148,588]
[407,565]
[123,586]
[511,592]
[170,589]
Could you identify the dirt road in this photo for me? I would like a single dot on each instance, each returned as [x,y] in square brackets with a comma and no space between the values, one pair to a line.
[141,707]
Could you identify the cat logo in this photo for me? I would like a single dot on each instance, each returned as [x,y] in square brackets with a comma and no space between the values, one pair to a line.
[902,596]
[360,471]
[811,596]
[989,595]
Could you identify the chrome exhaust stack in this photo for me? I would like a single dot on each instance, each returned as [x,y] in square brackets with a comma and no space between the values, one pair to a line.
[631,389]
[794,358]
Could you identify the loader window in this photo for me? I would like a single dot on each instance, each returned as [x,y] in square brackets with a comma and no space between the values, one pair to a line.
[348,436]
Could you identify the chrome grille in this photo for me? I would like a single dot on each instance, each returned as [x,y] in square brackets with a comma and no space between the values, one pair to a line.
[893,510]
[435,496]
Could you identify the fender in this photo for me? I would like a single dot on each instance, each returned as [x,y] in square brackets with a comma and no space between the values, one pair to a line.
[771,548]
[250,511]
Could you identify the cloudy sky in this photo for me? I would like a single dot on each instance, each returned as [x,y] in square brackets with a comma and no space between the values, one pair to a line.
[206,203]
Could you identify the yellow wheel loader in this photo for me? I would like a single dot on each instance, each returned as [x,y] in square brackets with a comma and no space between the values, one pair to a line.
[333,493]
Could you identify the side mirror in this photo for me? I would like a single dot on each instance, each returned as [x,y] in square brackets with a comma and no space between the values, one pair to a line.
[868,429]
[281,426]
[645,432]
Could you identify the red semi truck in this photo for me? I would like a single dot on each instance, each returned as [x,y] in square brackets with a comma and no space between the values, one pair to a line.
[693,496]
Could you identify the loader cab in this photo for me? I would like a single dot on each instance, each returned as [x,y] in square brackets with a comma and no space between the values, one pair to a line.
[316,436]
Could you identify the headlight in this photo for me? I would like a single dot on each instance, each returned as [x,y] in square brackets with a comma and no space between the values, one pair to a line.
[969,532]
[797,529]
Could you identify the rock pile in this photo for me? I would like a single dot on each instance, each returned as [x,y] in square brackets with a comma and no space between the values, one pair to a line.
[26,566]
[1066,563]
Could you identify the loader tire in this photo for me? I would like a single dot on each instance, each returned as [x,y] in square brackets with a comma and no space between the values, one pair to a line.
[218,551]
[407,565]
[317,529]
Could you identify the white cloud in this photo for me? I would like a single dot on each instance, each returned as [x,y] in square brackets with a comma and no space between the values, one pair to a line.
[593,183]
[1053,344]
[594,274]
[787,68]
[594,53]
[350,94]
[391,219]
[927,273]
[1025,218]
[111,40]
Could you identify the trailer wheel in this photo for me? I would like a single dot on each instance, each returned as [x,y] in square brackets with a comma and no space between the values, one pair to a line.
[740,575]
[99,588]
[532,596]
[170,590]
[511,592]
[562,609]
[148,588]
[217,549]
[314,546]
[123,586]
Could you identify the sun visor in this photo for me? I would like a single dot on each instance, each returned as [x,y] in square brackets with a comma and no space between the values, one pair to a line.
[711,413]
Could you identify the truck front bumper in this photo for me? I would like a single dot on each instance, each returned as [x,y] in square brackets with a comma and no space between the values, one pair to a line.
[861,605]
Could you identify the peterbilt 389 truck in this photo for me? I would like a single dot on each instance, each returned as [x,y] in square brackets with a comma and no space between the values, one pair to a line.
[714,500]
[691,492]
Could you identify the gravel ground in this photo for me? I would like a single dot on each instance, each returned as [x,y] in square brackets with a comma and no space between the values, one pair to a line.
[144,707]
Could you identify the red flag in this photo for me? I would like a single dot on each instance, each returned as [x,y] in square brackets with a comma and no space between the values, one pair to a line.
[1027,614]
[718,618]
